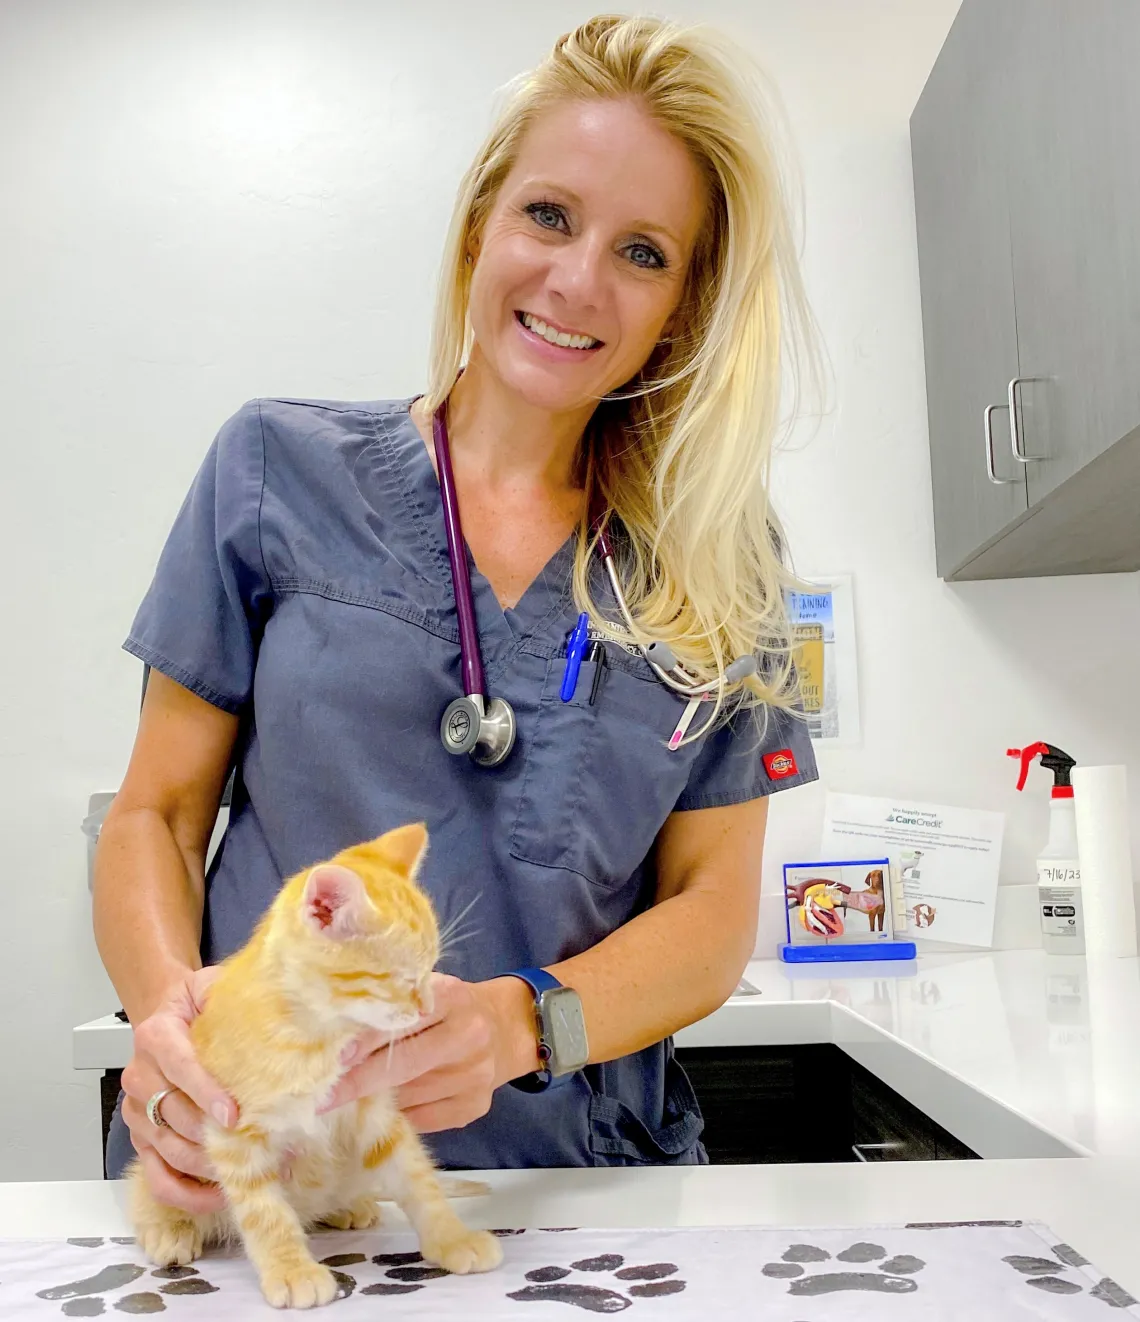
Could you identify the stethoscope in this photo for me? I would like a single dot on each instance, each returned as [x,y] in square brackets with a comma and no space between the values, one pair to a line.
[485,729]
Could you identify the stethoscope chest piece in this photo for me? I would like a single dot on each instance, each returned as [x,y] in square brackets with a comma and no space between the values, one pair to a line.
[486,732]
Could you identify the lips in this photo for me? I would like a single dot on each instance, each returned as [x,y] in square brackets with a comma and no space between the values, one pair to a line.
[562,337]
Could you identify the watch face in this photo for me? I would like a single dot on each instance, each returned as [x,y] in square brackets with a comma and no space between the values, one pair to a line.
[565,1030]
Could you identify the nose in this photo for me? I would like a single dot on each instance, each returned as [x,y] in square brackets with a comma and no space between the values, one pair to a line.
[577,272]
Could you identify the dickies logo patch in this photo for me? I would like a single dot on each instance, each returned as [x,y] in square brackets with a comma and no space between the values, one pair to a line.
[780,764]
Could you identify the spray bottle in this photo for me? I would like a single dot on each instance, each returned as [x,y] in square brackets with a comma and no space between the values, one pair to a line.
[1058,865]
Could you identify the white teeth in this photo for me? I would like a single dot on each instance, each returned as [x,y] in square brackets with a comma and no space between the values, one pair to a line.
[553,336]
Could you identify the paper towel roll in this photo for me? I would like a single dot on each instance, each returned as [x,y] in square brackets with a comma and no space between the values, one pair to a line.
[1100,798]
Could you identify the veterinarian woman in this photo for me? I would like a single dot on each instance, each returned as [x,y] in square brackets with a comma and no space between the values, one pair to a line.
[617,287]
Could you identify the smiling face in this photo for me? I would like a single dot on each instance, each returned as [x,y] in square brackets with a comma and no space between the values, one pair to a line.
[584,253]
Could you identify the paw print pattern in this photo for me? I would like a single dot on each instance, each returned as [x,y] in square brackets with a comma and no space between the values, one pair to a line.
[1045,1274]
[892,1276]
[85,1297]
[405,1273]
[554,1284]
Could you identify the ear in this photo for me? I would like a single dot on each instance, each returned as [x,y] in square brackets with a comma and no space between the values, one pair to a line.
[333,901]
[405,847]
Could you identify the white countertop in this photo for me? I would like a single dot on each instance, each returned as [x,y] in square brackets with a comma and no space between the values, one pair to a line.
[1089,1203]
[1016,1054]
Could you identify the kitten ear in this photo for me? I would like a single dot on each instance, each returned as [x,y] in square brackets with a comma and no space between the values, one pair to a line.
[334,901]
[405,846]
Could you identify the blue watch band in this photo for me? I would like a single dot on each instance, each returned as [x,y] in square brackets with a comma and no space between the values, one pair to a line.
[539,981]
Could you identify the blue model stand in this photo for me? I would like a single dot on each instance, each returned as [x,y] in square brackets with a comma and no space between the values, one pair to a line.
[840,951]
[844,954]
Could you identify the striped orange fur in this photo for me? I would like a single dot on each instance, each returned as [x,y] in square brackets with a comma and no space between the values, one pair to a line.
[346,945]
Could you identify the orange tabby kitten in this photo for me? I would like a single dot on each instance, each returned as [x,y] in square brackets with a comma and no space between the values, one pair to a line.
[345,945]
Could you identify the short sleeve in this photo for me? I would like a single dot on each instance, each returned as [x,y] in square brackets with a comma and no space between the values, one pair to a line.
[201,619]
[748,759]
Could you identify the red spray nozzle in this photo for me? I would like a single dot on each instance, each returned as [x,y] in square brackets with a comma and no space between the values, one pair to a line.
[1053,759]
[1027,755]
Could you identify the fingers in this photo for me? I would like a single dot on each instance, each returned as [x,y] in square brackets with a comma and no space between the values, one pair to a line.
[167,1042]
[398,1062]
[176,1190]
[472,1083]
[180,1154]
[181,1115]
[200,984]
[372,1039]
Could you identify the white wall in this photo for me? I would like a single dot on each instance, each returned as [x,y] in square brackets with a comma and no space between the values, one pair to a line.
[205,202]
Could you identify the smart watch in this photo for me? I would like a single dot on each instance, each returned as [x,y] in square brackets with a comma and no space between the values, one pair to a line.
[561,1028]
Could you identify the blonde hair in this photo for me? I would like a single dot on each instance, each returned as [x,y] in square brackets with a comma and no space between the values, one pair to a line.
[681,454]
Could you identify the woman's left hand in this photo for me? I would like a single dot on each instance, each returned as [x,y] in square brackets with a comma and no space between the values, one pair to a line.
[445,1071]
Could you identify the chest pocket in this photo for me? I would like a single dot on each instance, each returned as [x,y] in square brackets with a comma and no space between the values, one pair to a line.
[599,781]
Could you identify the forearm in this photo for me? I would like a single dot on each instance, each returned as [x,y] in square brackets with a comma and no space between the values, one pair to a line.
[666,968]
[147,906]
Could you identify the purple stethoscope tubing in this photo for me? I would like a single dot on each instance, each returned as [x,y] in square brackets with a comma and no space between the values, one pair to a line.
[474,682]
[657,655]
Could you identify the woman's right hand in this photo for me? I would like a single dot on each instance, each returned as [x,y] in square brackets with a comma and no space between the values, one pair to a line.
[173,1159]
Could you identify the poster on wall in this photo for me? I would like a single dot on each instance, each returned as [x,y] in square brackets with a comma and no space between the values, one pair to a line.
[823,627]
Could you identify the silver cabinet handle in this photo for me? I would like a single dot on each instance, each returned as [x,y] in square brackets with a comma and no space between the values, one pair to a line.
[989,430]
[1014,430]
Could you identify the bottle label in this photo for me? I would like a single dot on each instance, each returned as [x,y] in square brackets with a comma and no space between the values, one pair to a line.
[1059,892]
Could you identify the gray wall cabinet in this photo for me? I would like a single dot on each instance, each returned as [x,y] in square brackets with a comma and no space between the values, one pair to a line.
[1025,145]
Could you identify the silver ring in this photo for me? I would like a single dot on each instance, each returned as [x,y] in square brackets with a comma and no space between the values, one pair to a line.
[153,1114]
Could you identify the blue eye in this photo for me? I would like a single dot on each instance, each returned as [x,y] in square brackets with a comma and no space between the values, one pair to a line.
[552,216]
[644,255]
[546,214]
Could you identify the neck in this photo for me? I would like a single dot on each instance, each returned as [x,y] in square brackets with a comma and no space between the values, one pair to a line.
[506,440]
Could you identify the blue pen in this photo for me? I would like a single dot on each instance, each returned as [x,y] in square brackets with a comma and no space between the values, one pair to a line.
[575,649]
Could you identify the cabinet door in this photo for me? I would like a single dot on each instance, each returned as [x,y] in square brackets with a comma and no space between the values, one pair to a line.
[1074,175]
[968,323]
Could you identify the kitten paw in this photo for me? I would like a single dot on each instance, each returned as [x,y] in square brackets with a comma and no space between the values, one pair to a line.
[469,1251]
[174,1244]
[302,1285]
[362,1215]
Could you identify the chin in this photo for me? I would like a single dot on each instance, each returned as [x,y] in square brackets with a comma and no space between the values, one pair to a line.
[551,389]
[384,1018]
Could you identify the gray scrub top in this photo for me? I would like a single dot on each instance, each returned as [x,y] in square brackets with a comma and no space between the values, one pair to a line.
[305,587]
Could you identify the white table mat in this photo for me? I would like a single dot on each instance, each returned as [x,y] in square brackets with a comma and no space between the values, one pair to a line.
[985,1271]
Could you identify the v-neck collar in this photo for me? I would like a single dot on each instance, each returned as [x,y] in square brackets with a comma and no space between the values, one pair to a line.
[501,628]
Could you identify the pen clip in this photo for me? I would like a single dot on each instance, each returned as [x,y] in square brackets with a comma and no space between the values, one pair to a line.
[597,654]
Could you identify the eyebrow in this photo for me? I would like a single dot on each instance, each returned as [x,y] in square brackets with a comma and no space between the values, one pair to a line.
[642,226]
